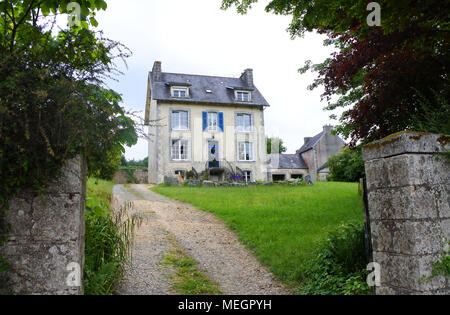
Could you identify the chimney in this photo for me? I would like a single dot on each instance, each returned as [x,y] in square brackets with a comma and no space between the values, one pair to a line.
[247,77]
[156,71]
[307,139]
[327,129]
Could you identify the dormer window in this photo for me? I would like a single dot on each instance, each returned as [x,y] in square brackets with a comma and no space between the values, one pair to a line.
[180,91]
[243,96]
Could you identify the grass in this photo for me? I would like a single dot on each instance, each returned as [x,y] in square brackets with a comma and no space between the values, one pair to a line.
[109,235]
[101,190]
[282,225]
[188,280]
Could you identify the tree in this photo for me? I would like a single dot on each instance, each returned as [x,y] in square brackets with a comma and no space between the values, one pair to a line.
[53,103]
[347,166]
[274,141]
[139,163]
[379,73]
[123,161]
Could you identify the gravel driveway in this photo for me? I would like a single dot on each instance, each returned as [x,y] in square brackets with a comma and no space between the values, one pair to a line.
[204,237]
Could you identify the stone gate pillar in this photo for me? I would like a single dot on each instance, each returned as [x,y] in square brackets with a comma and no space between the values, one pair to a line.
[45,237]
[408,188]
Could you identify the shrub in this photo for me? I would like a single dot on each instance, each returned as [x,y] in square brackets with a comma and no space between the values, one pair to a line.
[340,265]
[109,235]
[442,266]
[347,166]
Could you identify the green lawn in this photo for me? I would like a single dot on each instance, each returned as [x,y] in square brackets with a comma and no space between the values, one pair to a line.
[281,224]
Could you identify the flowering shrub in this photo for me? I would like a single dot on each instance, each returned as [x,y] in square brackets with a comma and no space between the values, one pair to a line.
[235,178]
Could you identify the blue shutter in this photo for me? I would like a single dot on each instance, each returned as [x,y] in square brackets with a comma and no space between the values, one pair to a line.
[205,120]
[221,121]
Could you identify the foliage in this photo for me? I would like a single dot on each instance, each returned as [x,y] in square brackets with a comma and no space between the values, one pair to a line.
[281,224]
[53,105]
[123,161]
[442,266]
[435,121]
[22,15]
[378,73]
[347,166]
[281,147]
[4,281]
[129,172]
[136,164]
[109,235]
[340,265]
[341,16]
[235,178]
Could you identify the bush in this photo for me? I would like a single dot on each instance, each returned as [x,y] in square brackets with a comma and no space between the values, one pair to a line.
[347,166]
[109,235]
[340,265]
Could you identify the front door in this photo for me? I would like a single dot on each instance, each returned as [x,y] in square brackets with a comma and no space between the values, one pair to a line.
[213,154]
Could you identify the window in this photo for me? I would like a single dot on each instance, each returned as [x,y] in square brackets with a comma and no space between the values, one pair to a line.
[179,149]
[244,122]
[213,121]
[245,152]
[180,120]
[180,92]
[278,177]
[248,176]
[243,96]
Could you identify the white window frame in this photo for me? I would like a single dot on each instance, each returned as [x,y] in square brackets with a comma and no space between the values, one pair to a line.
[244,128]
[249,151]
[210,126]
[179,126]
[176,91]
[249,179]
[181,156]
[239,93]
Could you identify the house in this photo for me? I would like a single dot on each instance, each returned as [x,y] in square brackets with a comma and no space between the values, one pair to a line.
[206,125]
[310,159]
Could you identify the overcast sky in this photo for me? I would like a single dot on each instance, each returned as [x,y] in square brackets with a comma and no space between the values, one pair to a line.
[197,37]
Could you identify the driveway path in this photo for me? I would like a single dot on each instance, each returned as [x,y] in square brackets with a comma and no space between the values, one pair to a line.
[204,237]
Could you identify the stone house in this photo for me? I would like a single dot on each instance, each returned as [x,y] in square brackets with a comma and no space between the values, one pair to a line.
[310,159]
[201,124]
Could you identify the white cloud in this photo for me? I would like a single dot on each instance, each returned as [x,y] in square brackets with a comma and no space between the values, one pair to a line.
[197,37]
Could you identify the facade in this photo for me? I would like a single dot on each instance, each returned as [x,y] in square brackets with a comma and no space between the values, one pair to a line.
[310,159]
[204,124]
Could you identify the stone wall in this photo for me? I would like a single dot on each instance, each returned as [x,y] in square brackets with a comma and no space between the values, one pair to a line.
[121,176]
[408,198]
[45,234]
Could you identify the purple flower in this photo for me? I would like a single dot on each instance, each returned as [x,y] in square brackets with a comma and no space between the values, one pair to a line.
[235,177]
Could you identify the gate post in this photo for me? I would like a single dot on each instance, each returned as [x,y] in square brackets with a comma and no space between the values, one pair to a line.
[408,191]
[45,237]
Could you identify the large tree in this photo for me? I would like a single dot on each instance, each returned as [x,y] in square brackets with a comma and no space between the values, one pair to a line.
[382,75]
[53,103]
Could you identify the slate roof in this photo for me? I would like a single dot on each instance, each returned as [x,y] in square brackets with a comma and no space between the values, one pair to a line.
[221,87]
[311,143]
[290,161]
[325,166]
